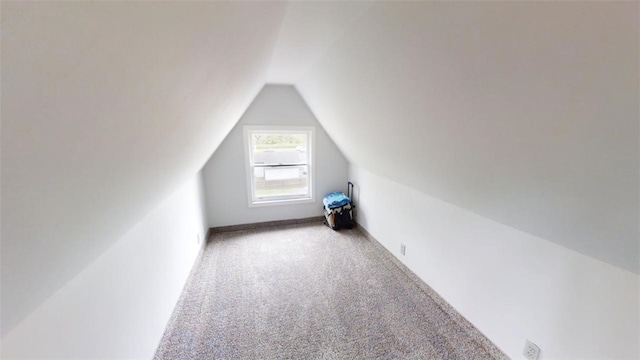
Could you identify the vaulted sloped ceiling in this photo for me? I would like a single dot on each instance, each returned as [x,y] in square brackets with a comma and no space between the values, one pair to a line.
[107,107]
[308,29]
[526,113]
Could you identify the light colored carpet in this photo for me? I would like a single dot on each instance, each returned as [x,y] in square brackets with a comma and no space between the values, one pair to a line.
[307,292]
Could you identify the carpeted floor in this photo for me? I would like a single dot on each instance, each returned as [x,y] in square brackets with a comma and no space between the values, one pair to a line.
[307,292]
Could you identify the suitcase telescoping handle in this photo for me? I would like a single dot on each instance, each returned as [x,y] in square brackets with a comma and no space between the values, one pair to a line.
[350,190]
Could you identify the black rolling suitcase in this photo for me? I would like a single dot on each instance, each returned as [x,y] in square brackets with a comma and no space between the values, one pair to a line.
[338,209]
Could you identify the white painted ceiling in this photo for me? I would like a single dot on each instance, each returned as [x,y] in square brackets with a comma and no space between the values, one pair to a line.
[309,28]
[525,113]
[107,107]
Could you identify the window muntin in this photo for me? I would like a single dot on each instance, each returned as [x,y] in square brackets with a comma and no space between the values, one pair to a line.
[279,164]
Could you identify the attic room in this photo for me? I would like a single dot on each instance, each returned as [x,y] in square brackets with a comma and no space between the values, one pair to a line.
[494,149]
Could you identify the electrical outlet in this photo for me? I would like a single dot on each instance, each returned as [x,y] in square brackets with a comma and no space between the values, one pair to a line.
[403,249]
[531,350]
[198,236]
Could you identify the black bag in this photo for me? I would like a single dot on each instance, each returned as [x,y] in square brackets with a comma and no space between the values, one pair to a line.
[338,209]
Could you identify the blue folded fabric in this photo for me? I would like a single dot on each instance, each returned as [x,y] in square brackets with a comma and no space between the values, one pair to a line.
[335,199]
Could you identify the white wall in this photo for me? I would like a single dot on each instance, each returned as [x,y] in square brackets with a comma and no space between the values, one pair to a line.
[119,305]
[511,285]
[225,173]
[523,112]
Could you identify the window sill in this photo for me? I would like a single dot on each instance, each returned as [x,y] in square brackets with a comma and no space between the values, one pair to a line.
[263,203]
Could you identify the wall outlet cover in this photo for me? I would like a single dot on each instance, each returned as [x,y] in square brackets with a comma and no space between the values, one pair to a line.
[531,350]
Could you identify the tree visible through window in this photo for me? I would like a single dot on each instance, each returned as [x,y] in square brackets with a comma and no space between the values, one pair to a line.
[279,163]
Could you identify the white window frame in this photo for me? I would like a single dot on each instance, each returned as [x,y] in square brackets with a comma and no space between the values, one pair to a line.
[248,155]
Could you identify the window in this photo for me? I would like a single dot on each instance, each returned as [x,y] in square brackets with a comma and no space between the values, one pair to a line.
[279,164]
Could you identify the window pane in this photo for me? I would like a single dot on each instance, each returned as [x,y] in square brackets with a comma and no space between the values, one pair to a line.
[280,165]
[275,149]
[281,181]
